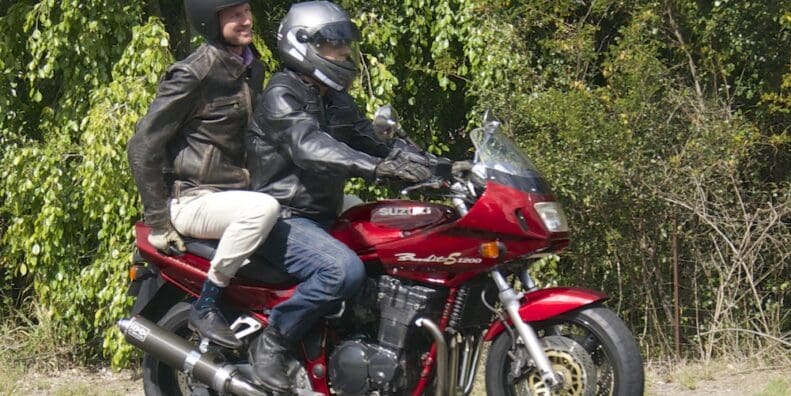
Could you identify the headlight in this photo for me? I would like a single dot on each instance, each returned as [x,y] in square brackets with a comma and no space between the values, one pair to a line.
[552,215]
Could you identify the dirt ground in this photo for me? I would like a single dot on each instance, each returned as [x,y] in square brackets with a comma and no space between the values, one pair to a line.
[715,379]
[720,379]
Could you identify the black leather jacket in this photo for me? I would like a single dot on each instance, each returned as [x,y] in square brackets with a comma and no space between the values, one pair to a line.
[304,146]
[193,133]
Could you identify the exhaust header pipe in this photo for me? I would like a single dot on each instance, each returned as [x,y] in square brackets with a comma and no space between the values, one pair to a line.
[208,368]
[441,388]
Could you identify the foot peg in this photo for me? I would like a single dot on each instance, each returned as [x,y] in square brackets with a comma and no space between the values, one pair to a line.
[251,325]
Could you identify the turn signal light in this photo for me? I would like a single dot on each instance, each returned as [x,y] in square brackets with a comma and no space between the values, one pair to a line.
[491,250]
[133,270]
[138,271]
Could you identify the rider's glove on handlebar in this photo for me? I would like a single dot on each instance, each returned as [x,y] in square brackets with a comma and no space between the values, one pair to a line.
[439,166]
[399,166]
[162,238]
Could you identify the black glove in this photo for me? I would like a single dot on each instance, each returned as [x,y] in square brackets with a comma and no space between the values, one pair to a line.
[439,166]
[399,166]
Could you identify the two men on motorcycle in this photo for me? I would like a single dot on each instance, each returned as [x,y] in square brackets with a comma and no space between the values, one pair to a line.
[308,137]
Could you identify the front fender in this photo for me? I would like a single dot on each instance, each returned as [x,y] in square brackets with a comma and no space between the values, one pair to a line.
[544,304]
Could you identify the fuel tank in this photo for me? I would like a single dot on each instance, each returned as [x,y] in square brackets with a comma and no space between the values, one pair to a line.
[365,226]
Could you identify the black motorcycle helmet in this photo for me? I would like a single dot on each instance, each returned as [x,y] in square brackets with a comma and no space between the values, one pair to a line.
[203,17]
[310,27]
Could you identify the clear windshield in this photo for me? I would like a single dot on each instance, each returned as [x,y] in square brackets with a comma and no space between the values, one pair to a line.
[504,160]
[499,152]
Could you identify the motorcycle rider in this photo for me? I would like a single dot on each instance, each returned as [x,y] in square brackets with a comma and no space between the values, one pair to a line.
[187,155]
[309,139]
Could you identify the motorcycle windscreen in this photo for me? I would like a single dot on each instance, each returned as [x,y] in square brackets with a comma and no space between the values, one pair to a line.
[502,161]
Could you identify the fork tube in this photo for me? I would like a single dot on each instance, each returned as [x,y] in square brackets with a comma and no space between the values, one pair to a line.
[457,200]
[474,365]
[510,300]
[453,365]
[464,365]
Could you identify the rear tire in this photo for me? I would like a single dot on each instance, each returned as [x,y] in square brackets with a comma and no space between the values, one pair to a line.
[159,379]
[610,344]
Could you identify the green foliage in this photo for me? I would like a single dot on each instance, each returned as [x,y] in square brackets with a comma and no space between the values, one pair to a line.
[645,116]
[67,192]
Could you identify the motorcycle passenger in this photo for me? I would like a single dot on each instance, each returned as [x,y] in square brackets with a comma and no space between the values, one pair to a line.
[187,155]
[310,138]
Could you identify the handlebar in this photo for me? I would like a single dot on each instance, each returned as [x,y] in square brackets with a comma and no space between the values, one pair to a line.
[433,183]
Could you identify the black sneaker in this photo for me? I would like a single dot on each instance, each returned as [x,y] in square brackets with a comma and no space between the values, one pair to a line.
[210,323]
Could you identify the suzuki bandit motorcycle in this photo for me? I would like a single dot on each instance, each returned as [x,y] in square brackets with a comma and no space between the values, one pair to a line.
[447,285]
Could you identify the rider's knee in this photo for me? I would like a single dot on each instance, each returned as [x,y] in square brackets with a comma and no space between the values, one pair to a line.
[343,275]
[262,212]
[355,276]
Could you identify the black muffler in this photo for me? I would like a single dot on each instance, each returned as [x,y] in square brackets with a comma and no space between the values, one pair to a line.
[208,368]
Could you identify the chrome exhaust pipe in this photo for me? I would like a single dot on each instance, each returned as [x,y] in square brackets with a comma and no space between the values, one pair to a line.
[208,368]
[442,355]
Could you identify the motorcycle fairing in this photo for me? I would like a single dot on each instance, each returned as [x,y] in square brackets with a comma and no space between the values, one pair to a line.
[446,248]
[544,304]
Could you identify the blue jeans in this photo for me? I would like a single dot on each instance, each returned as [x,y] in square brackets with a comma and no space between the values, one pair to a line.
[328,270]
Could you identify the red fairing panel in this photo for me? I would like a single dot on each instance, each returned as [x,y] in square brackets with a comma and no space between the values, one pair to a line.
[545,304]
[188,272]
[496,212]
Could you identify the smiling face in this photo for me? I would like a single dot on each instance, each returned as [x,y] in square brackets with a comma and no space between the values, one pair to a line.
[236,25]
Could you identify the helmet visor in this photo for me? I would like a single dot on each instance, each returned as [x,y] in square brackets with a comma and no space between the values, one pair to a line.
[337,31]
[339,52]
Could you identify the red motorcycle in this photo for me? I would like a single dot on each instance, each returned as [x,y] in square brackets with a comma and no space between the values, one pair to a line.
[443,282]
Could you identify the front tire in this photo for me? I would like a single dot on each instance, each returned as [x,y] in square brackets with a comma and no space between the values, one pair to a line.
[604,337]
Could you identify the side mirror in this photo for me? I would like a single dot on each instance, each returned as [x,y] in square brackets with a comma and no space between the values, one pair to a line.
[386,122]
[490,119]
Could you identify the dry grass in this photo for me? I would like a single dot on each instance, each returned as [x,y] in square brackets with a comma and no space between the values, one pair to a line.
[718,378]
[30,338]
[77,382]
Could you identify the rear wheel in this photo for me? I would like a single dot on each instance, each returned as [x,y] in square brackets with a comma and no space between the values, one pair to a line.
[159,379]
[598,357]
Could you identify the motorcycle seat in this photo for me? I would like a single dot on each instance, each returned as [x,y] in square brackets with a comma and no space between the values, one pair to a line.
[258,269]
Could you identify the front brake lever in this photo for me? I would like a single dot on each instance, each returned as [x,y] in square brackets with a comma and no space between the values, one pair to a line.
[434,183]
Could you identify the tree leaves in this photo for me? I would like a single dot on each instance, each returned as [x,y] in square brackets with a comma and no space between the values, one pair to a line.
[623,105]
[70,193]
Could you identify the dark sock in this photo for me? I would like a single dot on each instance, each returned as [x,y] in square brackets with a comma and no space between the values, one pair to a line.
[208,295]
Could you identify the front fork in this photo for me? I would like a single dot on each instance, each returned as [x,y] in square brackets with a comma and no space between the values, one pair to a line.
[511,302]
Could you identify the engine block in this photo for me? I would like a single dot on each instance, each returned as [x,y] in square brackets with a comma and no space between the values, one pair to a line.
[362,366]
[399,306]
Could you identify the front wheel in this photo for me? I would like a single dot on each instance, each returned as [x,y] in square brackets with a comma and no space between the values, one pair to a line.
[591,348]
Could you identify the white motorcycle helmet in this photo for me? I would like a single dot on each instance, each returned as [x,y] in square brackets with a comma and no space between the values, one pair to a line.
[317,38]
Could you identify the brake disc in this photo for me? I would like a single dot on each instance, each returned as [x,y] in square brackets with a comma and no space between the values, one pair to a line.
[570,361]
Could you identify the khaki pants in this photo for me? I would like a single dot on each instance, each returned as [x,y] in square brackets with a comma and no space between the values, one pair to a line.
[241,220]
